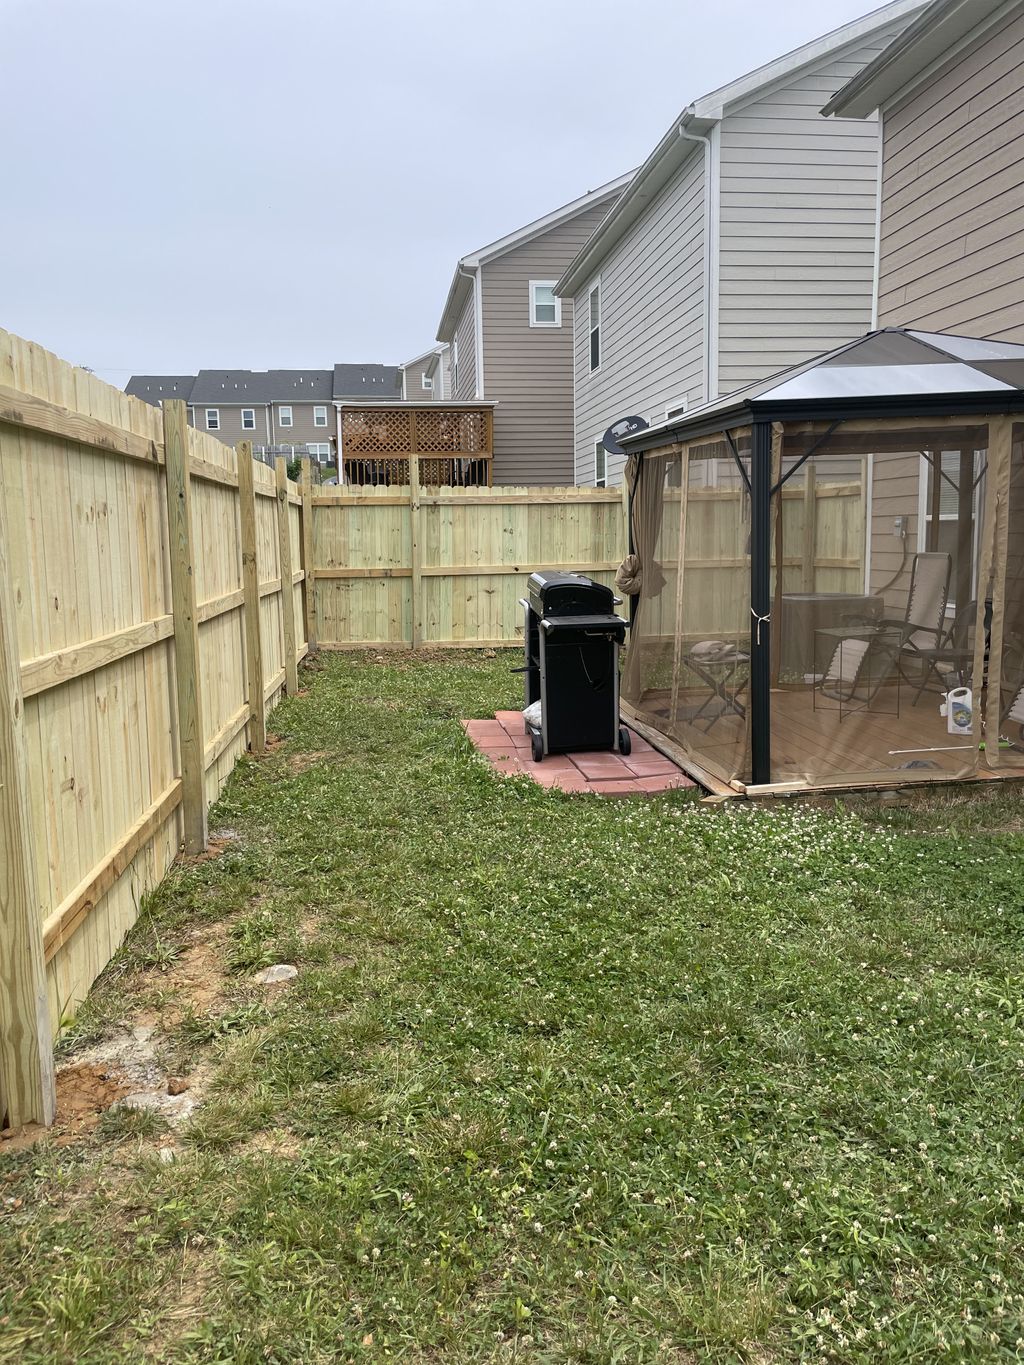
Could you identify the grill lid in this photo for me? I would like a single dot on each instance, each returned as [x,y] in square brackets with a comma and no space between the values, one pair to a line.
[569,594]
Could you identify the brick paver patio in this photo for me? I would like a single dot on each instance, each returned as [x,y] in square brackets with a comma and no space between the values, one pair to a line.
[504,744]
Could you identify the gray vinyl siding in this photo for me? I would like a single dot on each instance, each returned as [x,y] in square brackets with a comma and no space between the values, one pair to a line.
[528,370]
[299,433]
[953,196]
[652,320]
[465,337]
[798,211]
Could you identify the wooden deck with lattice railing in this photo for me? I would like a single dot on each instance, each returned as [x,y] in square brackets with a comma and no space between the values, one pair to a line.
[452,444]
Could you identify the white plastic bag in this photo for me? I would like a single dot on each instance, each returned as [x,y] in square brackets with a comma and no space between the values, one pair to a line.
[532,714]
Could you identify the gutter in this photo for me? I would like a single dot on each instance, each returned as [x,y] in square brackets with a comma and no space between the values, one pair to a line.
[712,217]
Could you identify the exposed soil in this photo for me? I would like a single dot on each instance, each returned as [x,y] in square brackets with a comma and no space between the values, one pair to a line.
[300,763]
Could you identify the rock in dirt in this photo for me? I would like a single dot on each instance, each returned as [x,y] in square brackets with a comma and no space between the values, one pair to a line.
[272,976]
[167,1155]
[177,1085]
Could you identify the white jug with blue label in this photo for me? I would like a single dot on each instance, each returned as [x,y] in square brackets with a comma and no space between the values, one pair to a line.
[958,711]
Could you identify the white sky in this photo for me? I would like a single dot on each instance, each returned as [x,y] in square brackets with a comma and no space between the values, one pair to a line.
[191,183]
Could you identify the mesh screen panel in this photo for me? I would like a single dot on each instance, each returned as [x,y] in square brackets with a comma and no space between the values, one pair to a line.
[874,582]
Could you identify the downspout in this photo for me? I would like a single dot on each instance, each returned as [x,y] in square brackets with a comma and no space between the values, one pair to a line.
[711,248]
[341,460]
[478,326]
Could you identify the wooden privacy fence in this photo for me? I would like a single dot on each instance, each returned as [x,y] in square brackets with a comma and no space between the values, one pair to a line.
[411,566]
[416,566]
[153,607]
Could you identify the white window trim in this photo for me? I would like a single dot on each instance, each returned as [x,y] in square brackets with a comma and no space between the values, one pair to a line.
[544,284]
[318,408]
[286,408]
[427,383]
[601,482]
[215,414]
[252,424]
[595,284]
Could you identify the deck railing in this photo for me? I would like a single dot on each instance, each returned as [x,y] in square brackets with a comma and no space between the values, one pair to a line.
[454,444]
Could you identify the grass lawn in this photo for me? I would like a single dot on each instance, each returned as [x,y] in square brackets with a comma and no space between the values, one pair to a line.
[560,1079]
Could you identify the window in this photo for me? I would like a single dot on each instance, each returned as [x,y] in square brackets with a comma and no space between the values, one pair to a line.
[600,466]
[213,419]
[248,419]
[545,307]
[952,507]
[320,417]
[427,382]
[319,450]
[284,416]
[595,325]
[455,365]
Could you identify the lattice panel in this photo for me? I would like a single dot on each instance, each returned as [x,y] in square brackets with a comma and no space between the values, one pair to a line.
[383,432]
[453,429]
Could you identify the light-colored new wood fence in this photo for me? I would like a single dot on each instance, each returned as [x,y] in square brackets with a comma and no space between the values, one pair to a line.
[407,566]
[411,566]
[152,610]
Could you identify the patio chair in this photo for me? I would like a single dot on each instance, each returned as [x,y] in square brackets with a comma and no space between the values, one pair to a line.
[860,665]
[923,622]
[951,661]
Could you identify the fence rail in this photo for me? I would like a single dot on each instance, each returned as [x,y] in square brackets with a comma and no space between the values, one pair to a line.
[153,606]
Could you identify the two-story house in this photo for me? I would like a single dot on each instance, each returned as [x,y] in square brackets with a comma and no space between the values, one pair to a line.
[425,378]
[745,243]
[510,338]
[283,412]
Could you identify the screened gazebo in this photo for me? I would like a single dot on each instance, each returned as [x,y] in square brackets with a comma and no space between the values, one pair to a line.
[831,587]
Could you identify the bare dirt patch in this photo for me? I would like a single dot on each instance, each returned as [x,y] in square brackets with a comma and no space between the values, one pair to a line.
[85,1091]
[300,763]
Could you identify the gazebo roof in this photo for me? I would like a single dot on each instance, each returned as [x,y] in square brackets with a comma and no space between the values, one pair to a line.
[895,369]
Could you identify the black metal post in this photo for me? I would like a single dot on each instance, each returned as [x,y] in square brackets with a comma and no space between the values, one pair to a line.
[760,603]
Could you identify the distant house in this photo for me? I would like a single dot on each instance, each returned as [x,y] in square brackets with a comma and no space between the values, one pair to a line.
[281,411]
[950,90]
[510,338]
[425,379]
[744,244]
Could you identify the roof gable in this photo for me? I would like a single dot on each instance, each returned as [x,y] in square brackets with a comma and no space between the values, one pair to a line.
[934,36]
[697,119]
[462,282]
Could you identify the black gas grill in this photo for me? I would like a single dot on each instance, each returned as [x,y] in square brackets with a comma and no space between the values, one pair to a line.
[572,637]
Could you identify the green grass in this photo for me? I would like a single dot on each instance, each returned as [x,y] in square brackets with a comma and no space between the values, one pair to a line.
[561,1079]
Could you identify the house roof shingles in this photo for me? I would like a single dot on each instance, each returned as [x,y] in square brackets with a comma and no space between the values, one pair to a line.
[227,388]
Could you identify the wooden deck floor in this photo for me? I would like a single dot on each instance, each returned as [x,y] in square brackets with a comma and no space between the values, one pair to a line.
[812,742]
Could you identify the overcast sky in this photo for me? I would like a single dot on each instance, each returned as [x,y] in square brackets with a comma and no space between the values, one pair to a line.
[193,183]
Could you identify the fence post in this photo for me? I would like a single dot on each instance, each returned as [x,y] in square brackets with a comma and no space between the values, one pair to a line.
[191,742]
[284,555]
[416,547]
[307,551]
[810,525]
[26,1043]
[251,599]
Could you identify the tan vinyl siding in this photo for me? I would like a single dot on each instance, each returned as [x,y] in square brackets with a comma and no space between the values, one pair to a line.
[529,369]
[953,196]
[464,337]
[414,390]
[798,205]
[652,320]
